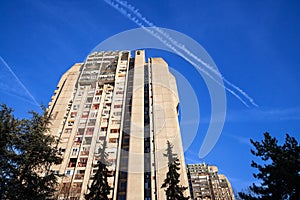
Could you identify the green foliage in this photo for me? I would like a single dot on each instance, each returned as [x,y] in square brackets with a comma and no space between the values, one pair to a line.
[174,191]
[26,154]
[100,189]
[280,175]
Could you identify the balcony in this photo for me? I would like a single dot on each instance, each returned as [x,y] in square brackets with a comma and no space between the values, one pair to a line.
[78,141]
[72,162]
[80,164]
[84,153]
[79,176]
[98,92]
[96,106]
[102,133]
[113,136]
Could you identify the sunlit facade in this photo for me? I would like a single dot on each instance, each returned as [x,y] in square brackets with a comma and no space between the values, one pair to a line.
[130,103]
[206,184]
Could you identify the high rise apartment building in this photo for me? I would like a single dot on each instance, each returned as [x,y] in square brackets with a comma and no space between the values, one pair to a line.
[206,184]
[130,103]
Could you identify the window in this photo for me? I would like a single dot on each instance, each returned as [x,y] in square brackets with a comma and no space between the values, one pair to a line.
[88,140]
[85,114]
[118,99]
[80,93]
[55,115]
[98,92]
[82,162]
[72,162]
[91,93]
[92,122]
[94,114]
[80,131]
[118,106]
[115,121]
[80,171]
[113,140]
[105,112]
[74,152]
[89,131]
[85,151]
[122,197]
[104,120]
[69,172]
[117,113]
[96,106]
[123,184]
[62,150]
[87,106]
[89,99]
[68,130]
[77,139]
[115,130]
[82,121]
[75,107]
[73,114]
[70,122]
[79,174]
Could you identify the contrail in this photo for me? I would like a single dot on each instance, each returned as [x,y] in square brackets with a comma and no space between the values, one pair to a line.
[179,45]
[19,97]
[19,82]
[208,74]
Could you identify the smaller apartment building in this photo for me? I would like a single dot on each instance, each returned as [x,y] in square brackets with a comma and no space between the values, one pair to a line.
[206,184]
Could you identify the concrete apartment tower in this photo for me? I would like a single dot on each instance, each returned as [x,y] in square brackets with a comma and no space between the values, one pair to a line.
[130,103]
[206,184]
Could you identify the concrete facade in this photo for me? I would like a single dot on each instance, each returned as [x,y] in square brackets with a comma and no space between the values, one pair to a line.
[130,103]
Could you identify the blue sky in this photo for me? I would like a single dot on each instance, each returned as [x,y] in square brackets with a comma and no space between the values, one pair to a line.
[255,45]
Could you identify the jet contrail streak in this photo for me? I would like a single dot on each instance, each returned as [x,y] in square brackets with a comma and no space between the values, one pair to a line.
[19,97]
[19,82]
[179,45]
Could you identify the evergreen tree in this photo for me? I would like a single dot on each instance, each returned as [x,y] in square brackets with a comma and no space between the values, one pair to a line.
[26,153]
[280,173]
[174,191]
[8,155]
[100,189]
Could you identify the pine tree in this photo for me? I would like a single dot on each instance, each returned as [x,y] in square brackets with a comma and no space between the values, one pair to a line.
[26,154]
[280,174]
[174,191]
[8,155]
[100,189]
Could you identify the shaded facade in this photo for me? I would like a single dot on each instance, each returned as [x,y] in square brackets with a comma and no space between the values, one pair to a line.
[206,184]
[130,103]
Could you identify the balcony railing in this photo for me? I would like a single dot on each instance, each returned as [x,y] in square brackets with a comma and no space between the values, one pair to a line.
[84,153]
[79,176]
[81,164]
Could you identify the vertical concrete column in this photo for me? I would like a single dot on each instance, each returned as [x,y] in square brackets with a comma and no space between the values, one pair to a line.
[165,123]
[135,184]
